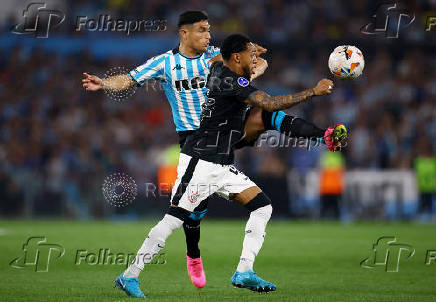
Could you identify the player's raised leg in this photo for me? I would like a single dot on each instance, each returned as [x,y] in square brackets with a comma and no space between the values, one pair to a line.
[260,120]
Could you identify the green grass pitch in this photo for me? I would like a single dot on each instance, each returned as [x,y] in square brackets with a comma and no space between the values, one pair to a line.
[307,261]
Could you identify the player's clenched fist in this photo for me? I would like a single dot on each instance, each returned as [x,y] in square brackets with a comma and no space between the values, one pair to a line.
[92,82]
[324,86]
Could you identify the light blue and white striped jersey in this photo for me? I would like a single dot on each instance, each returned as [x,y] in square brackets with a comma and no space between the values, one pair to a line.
[184,81]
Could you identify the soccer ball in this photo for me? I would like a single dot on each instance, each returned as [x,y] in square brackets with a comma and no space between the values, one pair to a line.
[346,62]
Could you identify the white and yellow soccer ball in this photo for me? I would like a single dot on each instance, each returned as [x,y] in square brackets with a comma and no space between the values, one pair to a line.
[346,62]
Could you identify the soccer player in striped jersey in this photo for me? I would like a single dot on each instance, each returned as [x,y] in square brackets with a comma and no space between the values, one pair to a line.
[182,73]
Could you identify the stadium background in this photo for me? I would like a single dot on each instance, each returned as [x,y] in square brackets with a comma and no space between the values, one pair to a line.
[58,142]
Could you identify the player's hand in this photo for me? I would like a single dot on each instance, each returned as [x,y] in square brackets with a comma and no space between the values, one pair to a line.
[261,66]
[259,50]
[323,87]
[92,82]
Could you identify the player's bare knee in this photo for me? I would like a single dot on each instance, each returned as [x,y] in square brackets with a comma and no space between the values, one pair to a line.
[254,125]
[255,118]
[247,195]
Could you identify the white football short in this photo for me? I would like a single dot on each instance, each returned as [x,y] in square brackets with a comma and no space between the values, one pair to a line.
[198,179]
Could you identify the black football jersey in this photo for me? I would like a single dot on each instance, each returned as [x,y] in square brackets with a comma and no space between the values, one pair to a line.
[222,116]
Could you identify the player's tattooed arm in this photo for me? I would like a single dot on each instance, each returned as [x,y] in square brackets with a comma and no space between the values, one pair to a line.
[117,82]
[274,103]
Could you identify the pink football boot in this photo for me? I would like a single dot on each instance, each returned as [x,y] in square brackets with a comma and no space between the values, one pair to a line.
[334,137]
[195,271]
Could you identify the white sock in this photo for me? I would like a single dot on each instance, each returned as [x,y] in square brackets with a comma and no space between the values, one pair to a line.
[254,236]
[154,242]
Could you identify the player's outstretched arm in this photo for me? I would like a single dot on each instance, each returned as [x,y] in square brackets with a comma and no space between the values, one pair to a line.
[274,103]
[117,83]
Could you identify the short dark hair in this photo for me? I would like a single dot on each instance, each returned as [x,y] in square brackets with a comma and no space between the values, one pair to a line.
[191,17]
[233,44]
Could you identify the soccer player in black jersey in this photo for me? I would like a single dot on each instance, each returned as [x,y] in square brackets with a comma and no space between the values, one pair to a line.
[205,163]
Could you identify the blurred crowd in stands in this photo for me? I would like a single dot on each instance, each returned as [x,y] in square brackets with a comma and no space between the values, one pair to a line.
[58,142]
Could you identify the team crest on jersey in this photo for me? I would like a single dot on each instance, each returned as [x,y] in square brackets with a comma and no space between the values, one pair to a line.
[243,82]
[193,197]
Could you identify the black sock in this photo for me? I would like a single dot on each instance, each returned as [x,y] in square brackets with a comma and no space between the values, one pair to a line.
[297,127]
[192,234]
[290,125]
